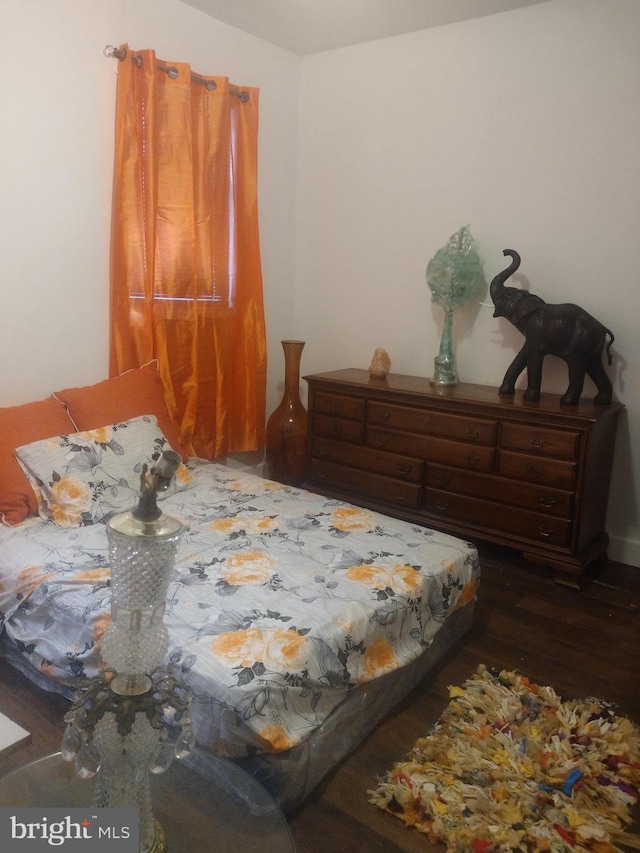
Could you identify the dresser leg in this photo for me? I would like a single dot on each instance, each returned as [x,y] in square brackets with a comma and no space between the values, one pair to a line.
[573,571]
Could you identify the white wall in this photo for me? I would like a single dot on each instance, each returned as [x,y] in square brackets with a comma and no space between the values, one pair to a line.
[523,125]
[56,148]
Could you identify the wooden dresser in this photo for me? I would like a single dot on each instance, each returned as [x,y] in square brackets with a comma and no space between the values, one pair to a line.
[465,460]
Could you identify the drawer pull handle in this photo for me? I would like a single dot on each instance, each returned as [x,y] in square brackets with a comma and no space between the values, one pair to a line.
[324,452]
[405,468]
[337,408]
[383,416]
[548,503]
[381,440]
[401,497]
[472,458]
[443,479]
[535,471]
[538,441]
[545,532]
[474,432]
[426,419]
[335,430]
[321,475]
[443,506]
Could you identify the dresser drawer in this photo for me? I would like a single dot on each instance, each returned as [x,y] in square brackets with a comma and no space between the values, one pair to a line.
[562,444]
[395,493]
[430,422]
[524,524]
[389,464]
[339,405]
[472,457]
[544,471]
[542,499]
[338,428]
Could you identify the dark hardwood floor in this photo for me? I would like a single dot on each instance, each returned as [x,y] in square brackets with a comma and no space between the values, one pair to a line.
[582,643]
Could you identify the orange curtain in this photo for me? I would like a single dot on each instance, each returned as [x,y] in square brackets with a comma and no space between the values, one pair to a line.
[186,281]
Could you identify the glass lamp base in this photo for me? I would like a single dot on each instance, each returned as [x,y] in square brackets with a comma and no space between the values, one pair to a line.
[444,370]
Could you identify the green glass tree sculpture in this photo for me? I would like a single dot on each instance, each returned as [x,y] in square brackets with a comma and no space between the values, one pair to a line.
[454,275]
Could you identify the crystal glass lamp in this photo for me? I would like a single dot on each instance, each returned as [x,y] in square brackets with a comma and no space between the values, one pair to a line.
[454,275]
[134,719]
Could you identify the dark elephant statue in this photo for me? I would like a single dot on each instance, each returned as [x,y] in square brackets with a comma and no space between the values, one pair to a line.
[566,331]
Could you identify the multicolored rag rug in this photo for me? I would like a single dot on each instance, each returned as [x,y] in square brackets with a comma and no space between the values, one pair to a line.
[512,767]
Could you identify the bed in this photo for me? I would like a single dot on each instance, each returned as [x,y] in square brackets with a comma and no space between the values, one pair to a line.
[297,621]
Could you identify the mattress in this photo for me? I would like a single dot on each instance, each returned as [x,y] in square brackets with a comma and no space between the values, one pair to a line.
[289,615]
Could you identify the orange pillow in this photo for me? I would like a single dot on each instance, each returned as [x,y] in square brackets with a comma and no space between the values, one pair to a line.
[21,425]
[137,392]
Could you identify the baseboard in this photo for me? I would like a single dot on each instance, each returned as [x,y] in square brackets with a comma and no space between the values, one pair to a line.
[624,551]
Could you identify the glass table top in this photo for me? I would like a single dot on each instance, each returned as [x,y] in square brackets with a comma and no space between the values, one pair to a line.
[208,805]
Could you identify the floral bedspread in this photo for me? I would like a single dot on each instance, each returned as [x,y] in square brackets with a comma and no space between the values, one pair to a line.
[280,602]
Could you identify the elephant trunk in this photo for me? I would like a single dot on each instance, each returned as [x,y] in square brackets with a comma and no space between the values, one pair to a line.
[496,288]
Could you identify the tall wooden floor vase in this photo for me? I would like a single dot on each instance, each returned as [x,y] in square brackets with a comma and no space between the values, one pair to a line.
[286,449]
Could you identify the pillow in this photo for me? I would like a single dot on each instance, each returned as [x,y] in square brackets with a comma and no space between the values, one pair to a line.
[134,393]
[19,424]
[85,477]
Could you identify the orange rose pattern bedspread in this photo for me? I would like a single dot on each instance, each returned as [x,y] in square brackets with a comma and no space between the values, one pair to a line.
[281,601]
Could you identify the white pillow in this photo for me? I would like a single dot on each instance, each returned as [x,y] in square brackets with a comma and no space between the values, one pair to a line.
[85,477]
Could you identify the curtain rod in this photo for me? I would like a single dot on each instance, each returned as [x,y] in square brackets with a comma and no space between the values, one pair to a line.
[172,72]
